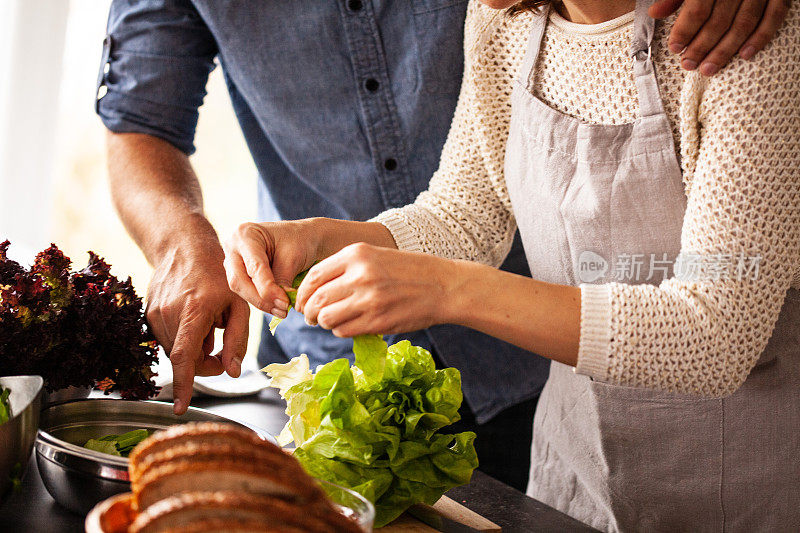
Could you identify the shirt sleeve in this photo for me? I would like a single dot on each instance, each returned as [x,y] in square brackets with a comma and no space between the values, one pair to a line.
[466,212]
[158,56]
[703,332]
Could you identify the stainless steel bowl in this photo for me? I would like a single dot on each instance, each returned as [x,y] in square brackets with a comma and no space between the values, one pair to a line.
[78,478]
[65,395]
[19,432]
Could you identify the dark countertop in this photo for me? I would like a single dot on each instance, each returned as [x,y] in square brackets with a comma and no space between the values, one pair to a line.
[33,510]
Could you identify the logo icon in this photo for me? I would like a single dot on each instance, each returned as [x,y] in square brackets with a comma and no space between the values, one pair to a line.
[591,266]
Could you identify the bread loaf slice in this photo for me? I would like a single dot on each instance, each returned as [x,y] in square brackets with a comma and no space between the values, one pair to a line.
[228,510]
[201,450]
[219,477]
[203,434]
[222,475]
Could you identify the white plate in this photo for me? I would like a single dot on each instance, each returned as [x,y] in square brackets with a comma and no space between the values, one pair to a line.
[250,382]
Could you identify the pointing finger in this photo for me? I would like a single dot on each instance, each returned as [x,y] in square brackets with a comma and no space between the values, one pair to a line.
[186,355]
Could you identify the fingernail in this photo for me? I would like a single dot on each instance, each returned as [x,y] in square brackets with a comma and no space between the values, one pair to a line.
[708,69]
[281,304]
[747,52]
[309,322]
[688,64]
[280,313]
[177,406]
[676,48]
[236,369]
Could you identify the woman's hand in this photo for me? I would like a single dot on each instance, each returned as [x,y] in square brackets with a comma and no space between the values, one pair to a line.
[711,32]
[368,289]
[262,259]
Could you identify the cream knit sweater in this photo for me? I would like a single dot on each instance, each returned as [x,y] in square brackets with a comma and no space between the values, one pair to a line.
[738,137]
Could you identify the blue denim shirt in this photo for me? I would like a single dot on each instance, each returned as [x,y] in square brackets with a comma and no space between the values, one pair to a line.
[345,106]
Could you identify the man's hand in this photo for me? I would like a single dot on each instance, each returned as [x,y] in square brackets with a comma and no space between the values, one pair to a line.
[711,32]
[159,200]
[187,300]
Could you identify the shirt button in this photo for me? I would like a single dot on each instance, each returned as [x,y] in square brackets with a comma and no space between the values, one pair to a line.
[371,85]
[390,164]
[355,5]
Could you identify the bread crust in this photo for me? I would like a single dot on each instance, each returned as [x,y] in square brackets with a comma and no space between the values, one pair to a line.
[219,477]
[271,513]
[210,432]
[208,450]
[229,526]
[223,474]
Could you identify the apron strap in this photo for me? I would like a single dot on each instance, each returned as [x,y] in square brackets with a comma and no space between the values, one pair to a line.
[534,45]
[641,51]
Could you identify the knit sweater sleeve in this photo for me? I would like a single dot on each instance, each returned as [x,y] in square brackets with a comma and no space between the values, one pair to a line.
[702,333]
[466,213]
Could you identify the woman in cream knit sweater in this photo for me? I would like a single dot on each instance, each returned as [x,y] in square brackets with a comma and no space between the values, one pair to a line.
[660,211]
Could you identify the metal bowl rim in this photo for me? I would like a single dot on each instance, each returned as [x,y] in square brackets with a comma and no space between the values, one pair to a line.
[45,438]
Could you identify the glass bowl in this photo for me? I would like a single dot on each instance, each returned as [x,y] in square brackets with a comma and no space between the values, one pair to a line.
[351,504]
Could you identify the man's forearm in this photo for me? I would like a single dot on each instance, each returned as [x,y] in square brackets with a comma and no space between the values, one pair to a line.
[157,195]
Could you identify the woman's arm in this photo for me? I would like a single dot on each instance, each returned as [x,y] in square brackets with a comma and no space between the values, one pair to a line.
[465,213]
[742,169]
[368,289]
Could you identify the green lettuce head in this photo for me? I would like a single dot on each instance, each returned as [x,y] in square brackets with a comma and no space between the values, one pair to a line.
[374,427]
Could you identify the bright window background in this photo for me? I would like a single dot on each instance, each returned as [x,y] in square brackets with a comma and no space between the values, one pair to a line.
[70,203]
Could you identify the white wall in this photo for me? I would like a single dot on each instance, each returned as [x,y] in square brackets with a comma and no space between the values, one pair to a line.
[31,50]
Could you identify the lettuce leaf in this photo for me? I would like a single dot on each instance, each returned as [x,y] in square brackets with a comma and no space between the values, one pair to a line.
[373,427]
[292,294]
[285,376]
[5,408]
[120,445]
[102,446]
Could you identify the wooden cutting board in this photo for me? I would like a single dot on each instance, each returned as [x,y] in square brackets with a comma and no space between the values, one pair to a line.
[449,509]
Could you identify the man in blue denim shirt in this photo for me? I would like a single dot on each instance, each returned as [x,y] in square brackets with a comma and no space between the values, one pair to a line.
[345,106]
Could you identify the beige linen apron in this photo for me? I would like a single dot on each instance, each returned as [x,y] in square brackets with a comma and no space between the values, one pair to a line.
[630,459]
